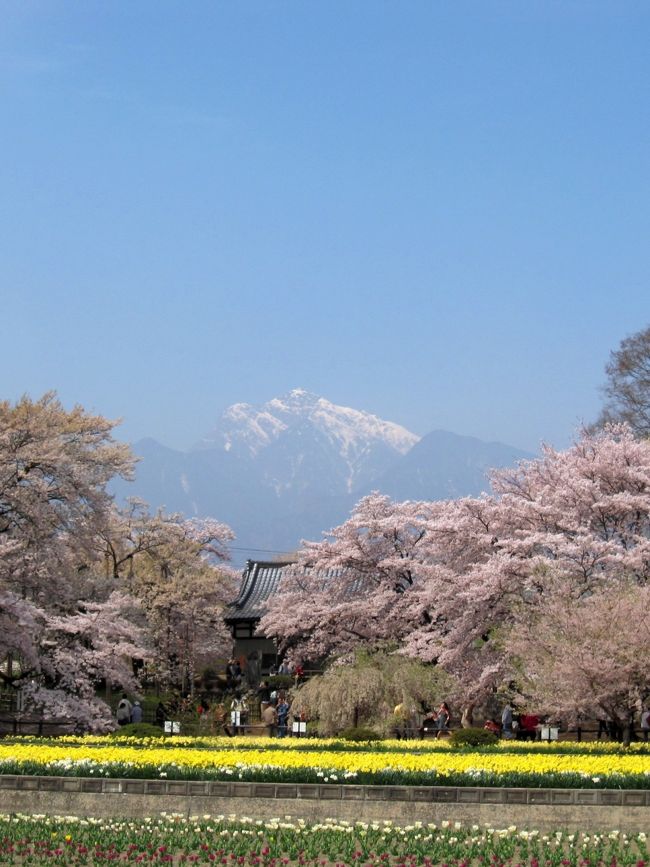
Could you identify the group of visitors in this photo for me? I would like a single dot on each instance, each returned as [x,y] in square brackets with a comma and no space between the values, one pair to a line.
[613,729]
[275,715]
[221,716]
[230,714]
[231,711]
[409,722]
[128,712]
[523,726]
[527,725]
[233,716]
[274,709]
[131,712]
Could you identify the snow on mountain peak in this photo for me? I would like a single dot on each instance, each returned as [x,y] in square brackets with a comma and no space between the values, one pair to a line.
[296,400]
[351,432]
[243,423]
[353,427]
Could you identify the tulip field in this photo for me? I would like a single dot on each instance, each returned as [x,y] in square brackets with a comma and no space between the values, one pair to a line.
[245,842]
[555,765]
[286,842]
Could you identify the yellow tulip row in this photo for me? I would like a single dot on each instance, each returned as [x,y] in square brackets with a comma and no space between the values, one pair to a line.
[443,762]
[418,746]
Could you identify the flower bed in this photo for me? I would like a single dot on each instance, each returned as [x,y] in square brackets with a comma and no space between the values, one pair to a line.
[305,761]
[174,839]
[338,745]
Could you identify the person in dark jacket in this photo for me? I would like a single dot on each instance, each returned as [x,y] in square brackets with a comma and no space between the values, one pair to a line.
[161,714]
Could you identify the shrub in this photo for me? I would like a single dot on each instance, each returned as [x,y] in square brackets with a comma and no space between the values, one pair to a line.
[312,729]
[138,730]
[211,679]
[359,733]
[472,737]
[280,681]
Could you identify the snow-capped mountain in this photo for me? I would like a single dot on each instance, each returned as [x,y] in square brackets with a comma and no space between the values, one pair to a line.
[359,443]
[295,466]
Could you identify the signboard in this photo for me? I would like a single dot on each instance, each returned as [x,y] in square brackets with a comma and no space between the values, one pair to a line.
[549,733]
[171,727]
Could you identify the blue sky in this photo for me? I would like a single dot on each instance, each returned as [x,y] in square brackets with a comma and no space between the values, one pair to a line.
[435,211]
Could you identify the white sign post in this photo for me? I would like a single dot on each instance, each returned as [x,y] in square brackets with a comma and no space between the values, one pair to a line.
[549,733]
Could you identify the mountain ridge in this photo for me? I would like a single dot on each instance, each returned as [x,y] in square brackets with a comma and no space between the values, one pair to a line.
[295,466]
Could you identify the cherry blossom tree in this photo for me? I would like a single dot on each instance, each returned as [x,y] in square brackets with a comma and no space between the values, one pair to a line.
[346,591]
[134,536]
[586,657]
[54,467]
[175,567]
[58,639]
[185,603]
[59,659]
[447,581]
[577,520]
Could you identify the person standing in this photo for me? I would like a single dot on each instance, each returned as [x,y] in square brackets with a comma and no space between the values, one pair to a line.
[161,715]
[263,694]
[506,721]
[233,674]
[269,718]
[203,709]
[220,720]
[282,712]
[645,723]
[238,713]
[442,719]
[136,712]
[124,710]
[401,715]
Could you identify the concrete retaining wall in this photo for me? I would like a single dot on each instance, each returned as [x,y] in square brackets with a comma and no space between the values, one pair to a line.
[544,809]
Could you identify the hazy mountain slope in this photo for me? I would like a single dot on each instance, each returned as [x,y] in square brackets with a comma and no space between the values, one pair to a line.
[295,466]
[445,465]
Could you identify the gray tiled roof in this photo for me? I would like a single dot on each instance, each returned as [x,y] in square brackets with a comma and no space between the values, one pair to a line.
[260,581]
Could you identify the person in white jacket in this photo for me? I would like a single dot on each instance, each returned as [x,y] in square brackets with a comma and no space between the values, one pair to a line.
[124,710]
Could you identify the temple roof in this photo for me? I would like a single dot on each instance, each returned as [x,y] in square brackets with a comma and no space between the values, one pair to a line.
[260,581]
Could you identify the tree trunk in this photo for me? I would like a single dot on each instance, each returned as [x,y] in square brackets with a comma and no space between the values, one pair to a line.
[627,733]
[467,717]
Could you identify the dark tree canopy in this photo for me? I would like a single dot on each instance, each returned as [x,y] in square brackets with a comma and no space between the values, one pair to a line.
[627,391]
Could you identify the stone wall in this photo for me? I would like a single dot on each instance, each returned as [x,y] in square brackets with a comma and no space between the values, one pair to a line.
[543,809]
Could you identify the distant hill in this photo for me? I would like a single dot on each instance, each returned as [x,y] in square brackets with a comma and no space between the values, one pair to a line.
[295,466]
[444,465]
